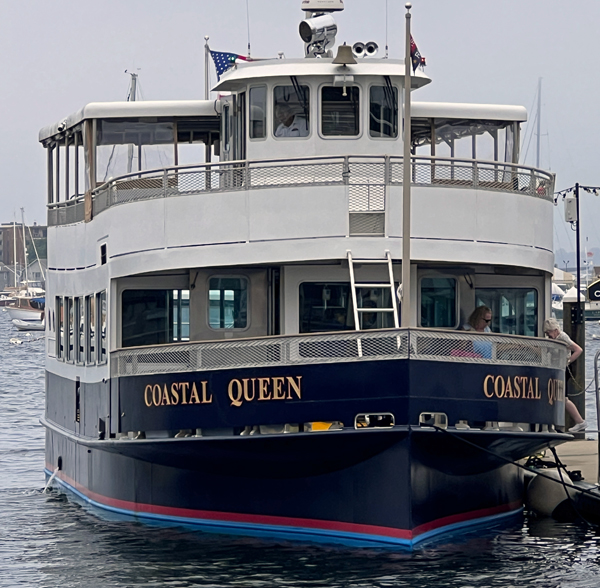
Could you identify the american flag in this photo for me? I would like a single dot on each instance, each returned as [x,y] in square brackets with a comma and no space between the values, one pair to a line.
[223,61]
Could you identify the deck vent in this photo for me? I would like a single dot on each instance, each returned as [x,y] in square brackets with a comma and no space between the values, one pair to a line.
[367,223]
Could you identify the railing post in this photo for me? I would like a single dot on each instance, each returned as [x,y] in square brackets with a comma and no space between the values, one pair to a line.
[475,174]
[346,170]
[247,171]
[532,184]
[165,182]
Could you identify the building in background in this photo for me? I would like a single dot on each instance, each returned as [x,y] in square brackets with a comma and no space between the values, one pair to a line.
[12,250]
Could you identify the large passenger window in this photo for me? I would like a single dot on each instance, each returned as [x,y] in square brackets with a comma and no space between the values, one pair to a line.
[514,310]
[438,302]
[258,112]
[340,113]
[383,111]
[291,111]
[154,317]
[228,303]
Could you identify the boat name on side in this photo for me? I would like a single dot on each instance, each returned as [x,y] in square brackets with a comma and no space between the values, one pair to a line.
[523,387]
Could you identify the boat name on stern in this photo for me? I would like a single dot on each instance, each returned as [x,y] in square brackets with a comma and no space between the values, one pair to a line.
[239,391]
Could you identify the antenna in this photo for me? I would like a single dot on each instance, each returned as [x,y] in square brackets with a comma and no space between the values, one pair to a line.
[248,23]
[386,29]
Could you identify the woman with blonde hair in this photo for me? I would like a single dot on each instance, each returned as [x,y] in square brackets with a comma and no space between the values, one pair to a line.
[479,320]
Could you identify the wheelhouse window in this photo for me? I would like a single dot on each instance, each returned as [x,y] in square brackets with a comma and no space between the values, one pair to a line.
[340,111]
[328,306]
[154,317]
[228,303]
[514,310]
[438,302]
[291,111]
[383,111]
[258,112]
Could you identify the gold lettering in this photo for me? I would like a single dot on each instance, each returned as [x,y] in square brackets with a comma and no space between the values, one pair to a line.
[530,393]
[184,388]
[509,392]
[175,393]
[165,397]
[538,394]
[147,398]
[156,394]
[205,398]
[517,389]
[499,393]
[194,398]
[295,386]
[551,392]
[278,393]
[247,396]
[235,400]
[263,389]
[485,386]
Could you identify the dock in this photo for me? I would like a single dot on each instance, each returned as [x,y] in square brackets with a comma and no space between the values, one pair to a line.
[580,454]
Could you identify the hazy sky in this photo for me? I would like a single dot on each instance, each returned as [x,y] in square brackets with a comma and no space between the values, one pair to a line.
[58,55]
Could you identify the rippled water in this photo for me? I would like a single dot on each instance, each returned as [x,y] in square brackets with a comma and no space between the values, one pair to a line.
[47,541]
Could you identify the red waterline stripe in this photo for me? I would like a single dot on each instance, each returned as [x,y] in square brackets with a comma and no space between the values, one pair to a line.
[324,525]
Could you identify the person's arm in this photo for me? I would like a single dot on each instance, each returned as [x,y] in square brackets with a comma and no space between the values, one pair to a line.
[576,351]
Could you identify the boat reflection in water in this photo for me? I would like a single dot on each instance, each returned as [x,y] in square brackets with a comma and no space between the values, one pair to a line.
[224,347]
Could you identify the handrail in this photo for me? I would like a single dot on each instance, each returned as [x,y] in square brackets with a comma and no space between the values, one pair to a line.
[320,170]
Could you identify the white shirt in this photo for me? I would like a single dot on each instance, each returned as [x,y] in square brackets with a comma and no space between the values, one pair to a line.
[298,128]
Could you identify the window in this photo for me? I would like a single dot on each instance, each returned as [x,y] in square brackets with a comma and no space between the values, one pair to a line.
[70,334]
[154,317]
[228,303]
[328,307]
[80,337]
[258,112]
[60,341]
[383,111]
[438,302]
[340,114]
[514,310]
[90,312]
[226,130]
[101,304]
[291,111]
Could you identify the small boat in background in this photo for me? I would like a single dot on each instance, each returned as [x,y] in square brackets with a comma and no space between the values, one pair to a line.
[29,325]
[27,308]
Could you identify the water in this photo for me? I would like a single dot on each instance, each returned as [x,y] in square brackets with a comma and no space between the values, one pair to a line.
[47,541]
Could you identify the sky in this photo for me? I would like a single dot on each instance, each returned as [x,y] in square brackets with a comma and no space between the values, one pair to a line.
[59,55]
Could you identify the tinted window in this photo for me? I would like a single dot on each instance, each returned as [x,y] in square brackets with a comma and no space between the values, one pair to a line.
[291,111]
[383,112]
[340,113]
[438,302]
[514,310]
[228,303]
[258,112]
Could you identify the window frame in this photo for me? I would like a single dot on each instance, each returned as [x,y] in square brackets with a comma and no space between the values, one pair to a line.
[248,303]
[272,102]
[398,114]
[320,114]
[266,113]
[436,276]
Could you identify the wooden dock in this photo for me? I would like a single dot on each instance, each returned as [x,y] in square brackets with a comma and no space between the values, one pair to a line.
[581,455]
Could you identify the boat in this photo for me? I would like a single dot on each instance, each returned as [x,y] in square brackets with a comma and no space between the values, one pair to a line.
[237,343]
[27,307]
[6,298]
[29,325]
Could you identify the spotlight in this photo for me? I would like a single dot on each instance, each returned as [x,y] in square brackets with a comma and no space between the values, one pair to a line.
[358,49]
[371,49]
[318,33]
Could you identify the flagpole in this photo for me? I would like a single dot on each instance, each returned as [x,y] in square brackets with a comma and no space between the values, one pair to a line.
[406,303]
[206,70]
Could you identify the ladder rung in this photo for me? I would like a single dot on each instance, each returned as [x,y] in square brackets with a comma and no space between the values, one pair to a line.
[369,261]
[372,285]
[375,309]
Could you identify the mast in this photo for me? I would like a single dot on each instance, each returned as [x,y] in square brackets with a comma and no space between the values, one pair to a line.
[24,250]
[131,98]
[539,123]
[15,247]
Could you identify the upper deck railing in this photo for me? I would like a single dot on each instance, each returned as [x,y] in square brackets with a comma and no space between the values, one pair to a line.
[286,350]
[366,176]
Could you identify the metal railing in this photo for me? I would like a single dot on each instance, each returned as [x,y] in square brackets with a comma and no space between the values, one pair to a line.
[366,176]
[413,344]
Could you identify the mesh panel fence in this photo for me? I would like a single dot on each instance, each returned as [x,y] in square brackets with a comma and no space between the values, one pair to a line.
[416,344]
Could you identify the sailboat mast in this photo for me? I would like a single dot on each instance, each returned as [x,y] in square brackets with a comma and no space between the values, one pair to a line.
[539,122]
[131,98]
[24,249]
[15,248]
